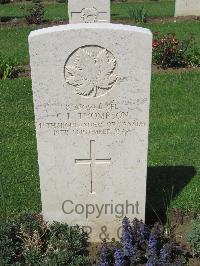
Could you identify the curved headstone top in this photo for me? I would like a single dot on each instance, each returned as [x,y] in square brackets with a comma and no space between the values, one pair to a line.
[92,26]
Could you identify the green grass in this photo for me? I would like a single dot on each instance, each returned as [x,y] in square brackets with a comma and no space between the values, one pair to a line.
[53,11]
[19,171]
[118,10]
[174,141]
[155,9]
[14,41]
[14,44]
[174,136]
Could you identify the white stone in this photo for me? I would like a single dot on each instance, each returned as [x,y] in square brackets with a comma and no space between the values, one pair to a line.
[91,90]
[89,11]
[187,8]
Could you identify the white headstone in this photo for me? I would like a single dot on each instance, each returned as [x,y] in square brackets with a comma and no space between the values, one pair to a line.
[187,8]
[91,88]
[89,11]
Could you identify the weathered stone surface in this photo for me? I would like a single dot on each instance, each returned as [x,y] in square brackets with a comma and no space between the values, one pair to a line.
[91,89]
[187,8]
[89,11]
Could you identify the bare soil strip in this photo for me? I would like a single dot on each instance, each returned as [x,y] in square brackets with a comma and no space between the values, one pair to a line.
[14,22]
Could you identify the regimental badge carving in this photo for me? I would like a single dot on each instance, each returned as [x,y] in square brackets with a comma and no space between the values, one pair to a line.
[91,71]
[89,15]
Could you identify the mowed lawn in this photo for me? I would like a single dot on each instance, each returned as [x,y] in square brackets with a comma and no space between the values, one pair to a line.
[174,143]
[14,41]
[56,11]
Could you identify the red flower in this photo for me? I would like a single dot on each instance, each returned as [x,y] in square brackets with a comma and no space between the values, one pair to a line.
[155,43]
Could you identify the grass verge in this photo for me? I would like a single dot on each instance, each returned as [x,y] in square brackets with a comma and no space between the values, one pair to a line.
[118,10]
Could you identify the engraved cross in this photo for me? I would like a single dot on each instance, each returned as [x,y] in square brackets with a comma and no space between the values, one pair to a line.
[92,161]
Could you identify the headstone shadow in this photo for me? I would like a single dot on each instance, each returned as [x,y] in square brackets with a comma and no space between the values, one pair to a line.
[164,183]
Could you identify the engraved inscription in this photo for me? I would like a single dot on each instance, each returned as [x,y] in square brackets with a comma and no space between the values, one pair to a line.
[89,15]
[91,71]
[103,118]
[92,162]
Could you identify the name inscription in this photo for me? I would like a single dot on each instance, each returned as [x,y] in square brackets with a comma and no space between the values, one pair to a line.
[101,119]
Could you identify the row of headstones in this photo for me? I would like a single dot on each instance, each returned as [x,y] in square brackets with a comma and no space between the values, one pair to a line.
[91,92]
[87,11]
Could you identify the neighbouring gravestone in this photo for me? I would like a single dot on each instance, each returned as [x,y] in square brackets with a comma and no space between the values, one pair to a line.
[187,8]
[91,90]
[87,11]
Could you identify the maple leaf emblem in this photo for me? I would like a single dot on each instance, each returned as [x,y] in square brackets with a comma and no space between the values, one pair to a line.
[92,74]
